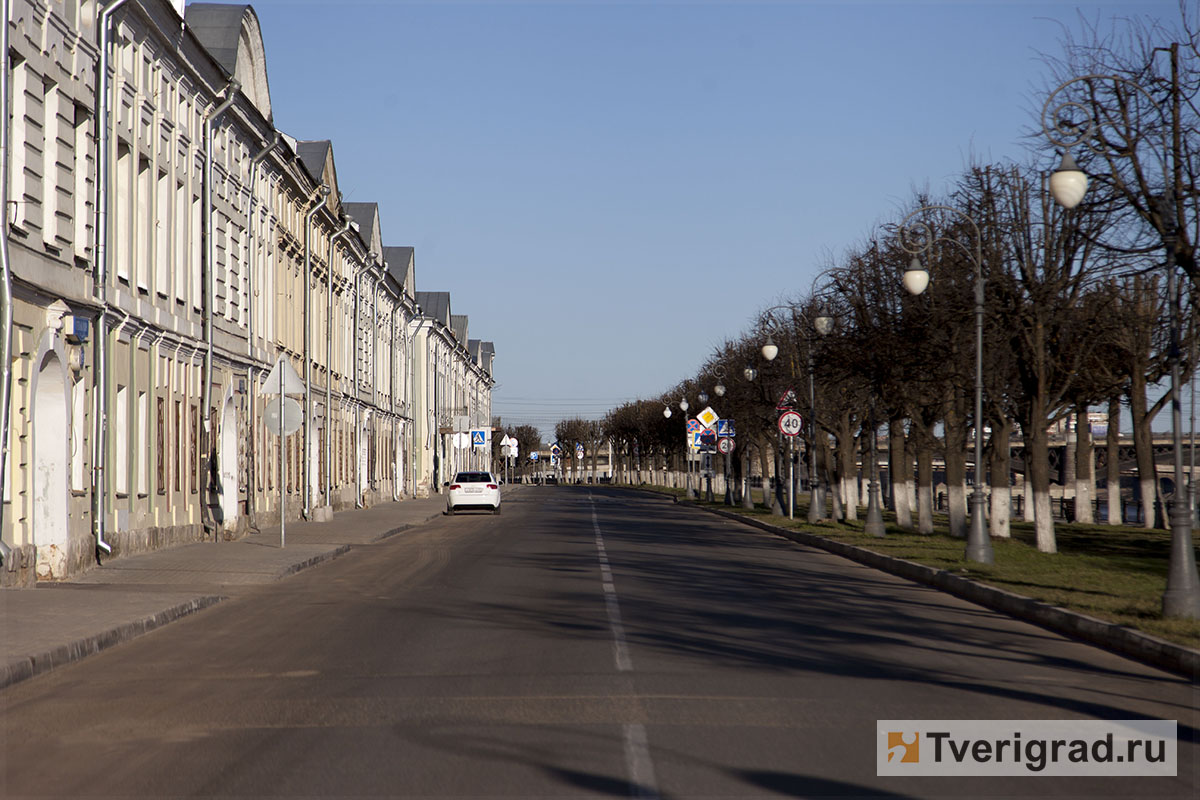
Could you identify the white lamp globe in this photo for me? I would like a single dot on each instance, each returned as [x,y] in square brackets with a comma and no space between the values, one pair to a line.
[916,277]
[1068,183]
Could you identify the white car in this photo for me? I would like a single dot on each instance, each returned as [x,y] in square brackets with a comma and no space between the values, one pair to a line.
[473,490]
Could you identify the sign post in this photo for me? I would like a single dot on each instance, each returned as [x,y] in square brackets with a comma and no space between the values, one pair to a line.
[790,425]
[282,381]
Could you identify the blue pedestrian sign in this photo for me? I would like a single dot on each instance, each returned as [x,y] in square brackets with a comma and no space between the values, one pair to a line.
[725,428]
[533,456]
[479,438]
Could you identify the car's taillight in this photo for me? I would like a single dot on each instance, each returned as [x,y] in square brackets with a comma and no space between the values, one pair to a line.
[493,486]
[454,486]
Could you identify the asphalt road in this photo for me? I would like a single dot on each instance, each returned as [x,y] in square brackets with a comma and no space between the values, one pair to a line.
[586,643]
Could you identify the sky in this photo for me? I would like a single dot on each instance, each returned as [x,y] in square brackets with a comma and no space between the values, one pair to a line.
[611,190]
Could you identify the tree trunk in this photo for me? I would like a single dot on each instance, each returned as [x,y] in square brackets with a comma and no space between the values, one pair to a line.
[1001,499]
[956,469]
[1112,470]
[924,486]
[764,464]
[1038,465]
[847,466]
[747,489]
[1085,469]
[900,470]
[1143,450]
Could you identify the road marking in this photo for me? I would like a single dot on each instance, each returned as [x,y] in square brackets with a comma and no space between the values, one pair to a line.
[638,765]
[637,757]
[620,650]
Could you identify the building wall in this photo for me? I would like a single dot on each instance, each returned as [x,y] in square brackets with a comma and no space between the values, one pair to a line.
[160,439]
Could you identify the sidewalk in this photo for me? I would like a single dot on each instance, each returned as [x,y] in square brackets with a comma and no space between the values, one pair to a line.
[55,624]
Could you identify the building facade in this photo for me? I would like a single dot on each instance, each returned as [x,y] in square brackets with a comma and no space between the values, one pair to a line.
[164,248]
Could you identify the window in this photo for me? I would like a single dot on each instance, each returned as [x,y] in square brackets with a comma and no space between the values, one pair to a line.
[122,216]
[120,427]
[78,404]
[194,461]
[160,444]
[83,164]
[177,467]
[162,236]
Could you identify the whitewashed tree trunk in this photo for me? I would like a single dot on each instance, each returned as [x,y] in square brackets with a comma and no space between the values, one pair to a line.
[1044,523]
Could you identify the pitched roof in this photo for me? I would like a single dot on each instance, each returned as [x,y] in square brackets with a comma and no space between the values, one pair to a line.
[313,156]
[367,217]
[231,34]
[459,323]
[401,264]
[435,305]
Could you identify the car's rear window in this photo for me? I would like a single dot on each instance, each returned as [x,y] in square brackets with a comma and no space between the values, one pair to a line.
[473,477]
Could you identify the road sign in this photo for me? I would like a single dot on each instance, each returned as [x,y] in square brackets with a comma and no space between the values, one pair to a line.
[284,370]
[479,438]
[579,452]
[787,400]
[694,426]
[790,423]
[555,450]
[533,456]
[293,415]
[708,437]
[725,445]
[725,428]
[708,417]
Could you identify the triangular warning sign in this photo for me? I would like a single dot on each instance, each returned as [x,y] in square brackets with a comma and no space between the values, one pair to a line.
[787,401]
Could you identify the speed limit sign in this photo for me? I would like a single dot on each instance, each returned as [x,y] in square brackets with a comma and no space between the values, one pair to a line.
[725,445]
[790,423]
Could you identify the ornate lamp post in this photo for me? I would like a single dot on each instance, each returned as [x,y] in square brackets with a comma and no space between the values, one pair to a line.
[1068,184]
[822,324]
[917,237]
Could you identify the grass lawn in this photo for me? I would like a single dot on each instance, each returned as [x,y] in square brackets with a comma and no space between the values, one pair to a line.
[1113,573]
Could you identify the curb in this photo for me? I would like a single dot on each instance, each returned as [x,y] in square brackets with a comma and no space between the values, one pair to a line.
[29,666]
[26,667]
[407,526]
[1176,658]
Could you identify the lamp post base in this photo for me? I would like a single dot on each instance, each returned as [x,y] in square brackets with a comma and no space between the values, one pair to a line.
[979,544]
[874,525]
[1181,600]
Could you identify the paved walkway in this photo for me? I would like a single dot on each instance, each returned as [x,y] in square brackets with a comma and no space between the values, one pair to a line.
[55,624]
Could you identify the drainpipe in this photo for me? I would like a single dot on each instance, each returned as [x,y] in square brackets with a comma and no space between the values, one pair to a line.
[6,295]
[358,501]
[251,439]
[206,279]
[323,191]
[99,280]
[393,402]
[374,343]
[329,361]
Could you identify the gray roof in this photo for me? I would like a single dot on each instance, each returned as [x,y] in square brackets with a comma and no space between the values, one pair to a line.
[365,215]
[313,156]
[435,305]
[218,26]
[459,323]
[398,259]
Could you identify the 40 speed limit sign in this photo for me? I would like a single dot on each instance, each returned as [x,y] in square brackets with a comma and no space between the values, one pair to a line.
[790,423]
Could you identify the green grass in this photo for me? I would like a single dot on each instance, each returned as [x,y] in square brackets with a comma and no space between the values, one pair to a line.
[1113,573]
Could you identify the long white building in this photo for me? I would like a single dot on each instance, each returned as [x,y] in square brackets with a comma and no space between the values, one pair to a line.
[164,247]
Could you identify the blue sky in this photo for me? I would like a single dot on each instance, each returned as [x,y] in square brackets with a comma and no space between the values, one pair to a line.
[610,190]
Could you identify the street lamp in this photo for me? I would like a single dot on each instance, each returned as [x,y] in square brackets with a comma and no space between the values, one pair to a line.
[822,324]
[687,448]
[916,278]
[1067,185]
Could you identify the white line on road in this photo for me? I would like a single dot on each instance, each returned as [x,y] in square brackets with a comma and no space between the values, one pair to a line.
[637,757]
[620,650]
[637,747]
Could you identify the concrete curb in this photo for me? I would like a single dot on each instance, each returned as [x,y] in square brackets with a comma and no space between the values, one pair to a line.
[320,558]
[27,667]
[1176,658]
[407,526]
